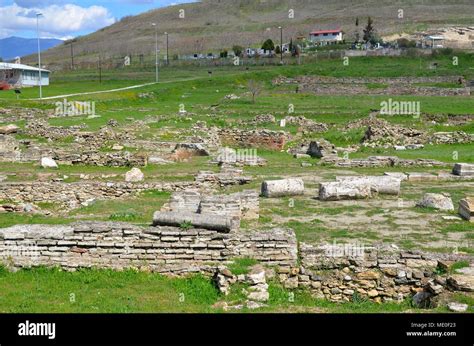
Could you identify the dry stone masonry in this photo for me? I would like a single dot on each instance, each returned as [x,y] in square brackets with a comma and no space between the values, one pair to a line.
[267,139]
[387,86]
[335,272]
[101,159]
[227,176]
[307,125]
[73,195]
[388,161]
[382,274]
[161,249]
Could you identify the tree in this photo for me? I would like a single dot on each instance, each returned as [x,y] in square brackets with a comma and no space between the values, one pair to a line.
[369,31]
[295,49]
[357,33]
[238,50]
[277,50]
[406,43]
[224,54]
[255,88]
[268,45]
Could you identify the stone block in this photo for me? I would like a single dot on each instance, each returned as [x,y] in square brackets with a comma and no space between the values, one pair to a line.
[463,169]
[343,190]
[466,208]
[177,219]
[283,188]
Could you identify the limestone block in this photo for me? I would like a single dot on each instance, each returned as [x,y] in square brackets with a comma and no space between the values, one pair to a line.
[47,162]
[437,201]
[9,129]
[457,307]
[398,175]
[415,176]
[186,201]
[466,208]
[462,282]
[134,175]
[463,169]
[321,149]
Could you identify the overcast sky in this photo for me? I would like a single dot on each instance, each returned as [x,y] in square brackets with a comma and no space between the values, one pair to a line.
[68,18]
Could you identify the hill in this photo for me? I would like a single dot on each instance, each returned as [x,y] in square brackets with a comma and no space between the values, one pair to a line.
[11,47]
[211,25]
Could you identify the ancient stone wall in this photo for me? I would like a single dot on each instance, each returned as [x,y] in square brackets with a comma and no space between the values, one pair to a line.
[245,204]
[389,86]
[159,249]
[341,272]
[274,140]
[96,158]
[9,149]
[72,195]
[227,176]
[336,272]
[388,161]
[380,80]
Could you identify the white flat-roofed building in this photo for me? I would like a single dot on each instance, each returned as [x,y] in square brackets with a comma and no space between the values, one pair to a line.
[19,75]
[436,41]
[324,37]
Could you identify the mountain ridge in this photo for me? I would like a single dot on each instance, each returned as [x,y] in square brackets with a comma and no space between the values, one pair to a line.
[14,46]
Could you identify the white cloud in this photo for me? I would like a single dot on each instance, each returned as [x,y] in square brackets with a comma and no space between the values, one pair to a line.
[57,20]
[36,3]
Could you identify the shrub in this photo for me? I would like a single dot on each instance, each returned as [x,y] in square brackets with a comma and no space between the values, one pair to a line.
[186,225]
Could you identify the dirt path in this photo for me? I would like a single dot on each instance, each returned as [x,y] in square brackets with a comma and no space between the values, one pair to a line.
[94,92]
[121,89]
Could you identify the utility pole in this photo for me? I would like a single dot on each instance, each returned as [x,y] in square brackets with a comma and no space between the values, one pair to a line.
[167,49]
[156,52]
[281,44]
[72,55]
[39,14]
[100,69]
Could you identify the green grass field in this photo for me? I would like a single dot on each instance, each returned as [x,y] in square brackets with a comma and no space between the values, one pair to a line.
[93,291]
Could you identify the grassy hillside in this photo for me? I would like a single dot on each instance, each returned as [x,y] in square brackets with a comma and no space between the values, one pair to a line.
[211,25]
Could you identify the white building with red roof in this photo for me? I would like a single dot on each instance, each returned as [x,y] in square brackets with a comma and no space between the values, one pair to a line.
[324,37]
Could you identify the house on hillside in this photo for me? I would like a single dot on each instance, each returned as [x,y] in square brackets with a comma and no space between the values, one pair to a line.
[19,75]
[434,41]
[251,52]
[325,37]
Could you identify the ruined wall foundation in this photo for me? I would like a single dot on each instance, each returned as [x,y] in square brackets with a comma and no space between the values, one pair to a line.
[159,249]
